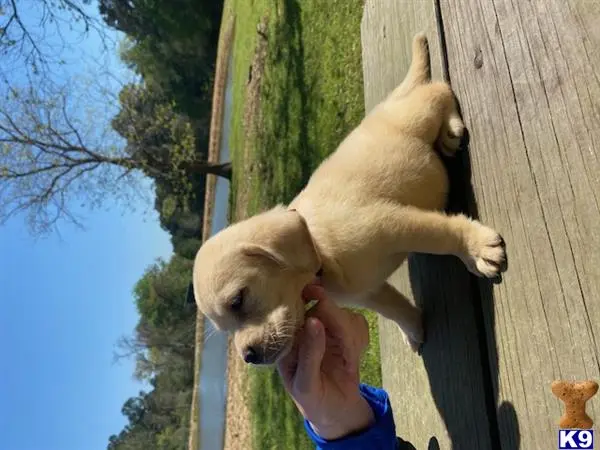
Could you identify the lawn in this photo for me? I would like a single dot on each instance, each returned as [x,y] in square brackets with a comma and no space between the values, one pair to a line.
[311,97]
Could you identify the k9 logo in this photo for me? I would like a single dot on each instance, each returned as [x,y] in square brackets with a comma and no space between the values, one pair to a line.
[575,439]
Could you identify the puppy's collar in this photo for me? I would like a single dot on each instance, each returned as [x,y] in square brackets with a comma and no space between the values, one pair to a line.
[319,273]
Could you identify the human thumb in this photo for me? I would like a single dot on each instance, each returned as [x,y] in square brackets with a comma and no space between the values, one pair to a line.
[310,355]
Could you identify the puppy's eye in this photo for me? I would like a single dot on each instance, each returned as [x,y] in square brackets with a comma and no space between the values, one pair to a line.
[237,302]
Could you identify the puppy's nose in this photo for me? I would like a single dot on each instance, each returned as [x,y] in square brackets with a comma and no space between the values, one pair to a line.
[251,355]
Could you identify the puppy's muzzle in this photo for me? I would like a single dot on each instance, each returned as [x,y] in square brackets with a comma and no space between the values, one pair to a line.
[264,356]
[252,356]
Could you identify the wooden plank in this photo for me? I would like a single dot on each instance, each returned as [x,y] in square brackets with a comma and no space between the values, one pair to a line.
[527,74]
[439,398]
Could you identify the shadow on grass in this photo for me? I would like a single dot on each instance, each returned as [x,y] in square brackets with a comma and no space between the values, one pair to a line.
[287,159]
[293,140]
[289,155]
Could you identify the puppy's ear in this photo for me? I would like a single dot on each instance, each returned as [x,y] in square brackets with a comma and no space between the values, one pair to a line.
[283,237]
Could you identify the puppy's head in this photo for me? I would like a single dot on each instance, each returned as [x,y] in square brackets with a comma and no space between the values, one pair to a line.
[248,280]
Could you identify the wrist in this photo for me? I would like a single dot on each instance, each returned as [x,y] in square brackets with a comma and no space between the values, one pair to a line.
[356,417]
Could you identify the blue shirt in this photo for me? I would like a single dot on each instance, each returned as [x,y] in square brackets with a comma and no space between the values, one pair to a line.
[380,436]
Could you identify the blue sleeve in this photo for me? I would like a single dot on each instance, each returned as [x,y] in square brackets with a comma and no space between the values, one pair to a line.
[380,436]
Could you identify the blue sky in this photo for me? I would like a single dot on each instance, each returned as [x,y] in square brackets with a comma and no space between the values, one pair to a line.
[64,302]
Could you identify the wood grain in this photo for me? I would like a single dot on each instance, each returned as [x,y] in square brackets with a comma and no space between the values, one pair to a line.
[439,399]
[527,76]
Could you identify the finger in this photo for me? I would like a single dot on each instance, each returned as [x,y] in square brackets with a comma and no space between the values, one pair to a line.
[286,367]
[313,292]
[332,316]
[360,341]
[311,348]
[361,327]
[350,328]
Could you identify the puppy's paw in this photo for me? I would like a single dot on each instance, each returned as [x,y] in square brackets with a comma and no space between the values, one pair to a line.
[452,135]
[486,251]
[415,342]
[414,333]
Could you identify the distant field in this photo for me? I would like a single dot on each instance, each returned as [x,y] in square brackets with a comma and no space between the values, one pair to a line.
[305,93]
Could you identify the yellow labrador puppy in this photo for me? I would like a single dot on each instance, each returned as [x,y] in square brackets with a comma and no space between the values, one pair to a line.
[373,201]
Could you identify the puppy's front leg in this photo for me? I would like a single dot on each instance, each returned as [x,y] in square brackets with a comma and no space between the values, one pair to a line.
[419,231]
[391,304]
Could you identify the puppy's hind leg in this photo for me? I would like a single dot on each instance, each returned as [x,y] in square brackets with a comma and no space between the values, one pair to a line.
[429,112]
[419,71]
[452,131]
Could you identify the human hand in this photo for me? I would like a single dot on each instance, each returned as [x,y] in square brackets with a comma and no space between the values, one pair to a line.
[321,373]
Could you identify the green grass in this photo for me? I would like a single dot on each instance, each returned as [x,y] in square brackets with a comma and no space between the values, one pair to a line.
[312,96]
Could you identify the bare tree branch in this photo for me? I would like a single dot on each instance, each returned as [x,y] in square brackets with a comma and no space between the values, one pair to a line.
[32,37]
[53,159]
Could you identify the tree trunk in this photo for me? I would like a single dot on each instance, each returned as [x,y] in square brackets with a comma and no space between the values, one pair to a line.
[219,169]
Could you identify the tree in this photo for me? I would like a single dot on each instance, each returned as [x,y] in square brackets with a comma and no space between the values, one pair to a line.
[154,420]
[164,337]
[148,342]
[167,141]
[160,293]
[172,45]
[140,18]
[163,347]
[132,438]
[32,34]
[185,247]
[51,154]
[135,408]
[138,434]
[179,216]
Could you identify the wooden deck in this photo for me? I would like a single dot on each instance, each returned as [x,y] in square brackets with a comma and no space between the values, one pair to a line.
[527,76]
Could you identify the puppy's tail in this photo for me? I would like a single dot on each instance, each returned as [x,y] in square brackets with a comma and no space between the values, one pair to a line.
[419,71]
